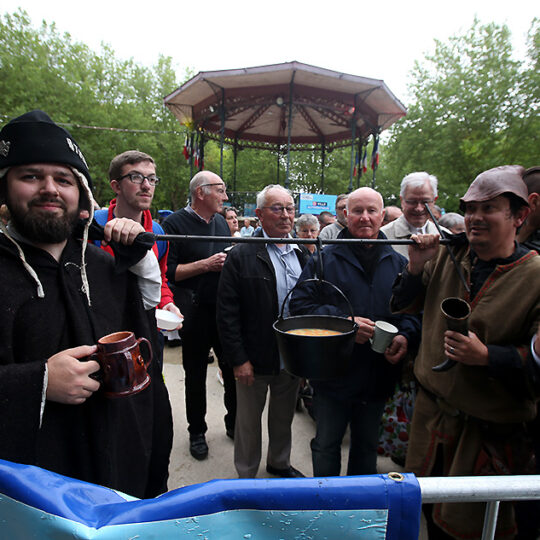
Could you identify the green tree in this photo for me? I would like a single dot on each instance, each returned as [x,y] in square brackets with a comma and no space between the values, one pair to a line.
[474,108]
[107,104]
[42,68]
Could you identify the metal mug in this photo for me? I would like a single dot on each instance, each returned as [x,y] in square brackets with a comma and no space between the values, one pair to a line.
[456,312]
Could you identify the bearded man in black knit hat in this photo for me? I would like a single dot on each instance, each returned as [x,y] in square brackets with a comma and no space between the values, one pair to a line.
[60,295]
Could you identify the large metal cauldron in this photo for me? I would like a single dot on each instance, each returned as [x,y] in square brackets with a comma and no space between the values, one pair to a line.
[316,357]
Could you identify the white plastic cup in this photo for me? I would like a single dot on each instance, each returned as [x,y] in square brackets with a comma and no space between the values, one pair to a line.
[166,320]
[383,335]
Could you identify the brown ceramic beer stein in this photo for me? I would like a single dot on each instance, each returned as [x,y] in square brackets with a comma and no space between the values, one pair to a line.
[123,369]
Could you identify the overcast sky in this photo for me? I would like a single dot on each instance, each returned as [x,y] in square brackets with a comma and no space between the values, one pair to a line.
[380,39]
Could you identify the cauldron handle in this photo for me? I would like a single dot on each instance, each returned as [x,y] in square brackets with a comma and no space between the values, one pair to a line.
[319,261]
[316,280]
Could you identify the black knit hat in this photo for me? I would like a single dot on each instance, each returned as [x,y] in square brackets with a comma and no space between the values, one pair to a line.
[35,138]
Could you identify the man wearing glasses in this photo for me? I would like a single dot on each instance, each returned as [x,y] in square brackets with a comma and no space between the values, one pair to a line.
[254,283]
[193,270]
[417,188]
[133,179]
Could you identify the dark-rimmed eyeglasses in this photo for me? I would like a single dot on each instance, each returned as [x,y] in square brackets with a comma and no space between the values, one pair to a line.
[278,209]
[416,202]
[138,178]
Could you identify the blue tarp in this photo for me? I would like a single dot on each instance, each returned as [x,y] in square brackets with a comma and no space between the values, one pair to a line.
[35,503]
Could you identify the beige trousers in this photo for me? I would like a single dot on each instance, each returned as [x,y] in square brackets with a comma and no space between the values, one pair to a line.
[251,401]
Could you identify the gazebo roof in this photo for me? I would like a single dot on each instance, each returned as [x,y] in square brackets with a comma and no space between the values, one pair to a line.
[253,105]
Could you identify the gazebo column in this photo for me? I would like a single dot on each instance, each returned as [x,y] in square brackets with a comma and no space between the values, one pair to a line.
[221,131]
[235,155]
[291,96]
[353,136]
[277,168]
[359,166]
[374,151]
[191,143]
[323,159]
[201,150]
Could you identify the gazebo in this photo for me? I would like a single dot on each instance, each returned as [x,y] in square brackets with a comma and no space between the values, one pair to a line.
[284,107]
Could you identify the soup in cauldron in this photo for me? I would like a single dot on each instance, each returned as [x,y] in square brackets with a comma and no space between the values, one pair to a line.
[313,332]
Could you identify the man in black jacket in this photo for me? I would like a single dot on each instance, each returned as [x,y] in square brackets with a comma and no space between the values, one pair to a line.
[193,270]
[59,296]
[253,285]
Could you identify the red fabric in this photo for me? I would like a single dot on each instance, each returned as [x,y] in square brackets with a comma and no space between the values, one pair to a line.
[166,294]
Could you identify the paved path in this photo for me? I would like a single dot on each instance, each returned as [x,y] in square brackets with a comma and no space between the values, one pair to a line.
[185,470]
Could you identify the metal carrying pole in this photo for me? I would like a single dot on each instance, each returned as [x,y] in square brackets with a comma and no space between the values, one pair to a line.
[264,240]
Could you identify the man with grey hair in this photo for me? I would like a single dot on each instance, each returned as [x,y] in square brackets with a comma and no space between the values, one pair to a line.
[254,282]
[307,226]
[193,271]
[391,213]
[332,230]
[453,221]
[417,189]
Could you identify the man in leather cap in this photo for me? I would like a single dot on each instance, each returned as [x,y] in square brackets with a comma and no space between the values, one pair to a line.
[470,419]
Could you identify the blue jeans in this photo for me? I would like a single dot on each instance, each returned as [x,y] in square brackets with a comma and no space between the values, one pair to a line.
[332,416]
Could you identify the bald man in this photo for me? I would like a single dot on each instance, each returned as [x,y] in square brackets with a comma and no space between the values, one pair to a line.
[365,273]
[193,270]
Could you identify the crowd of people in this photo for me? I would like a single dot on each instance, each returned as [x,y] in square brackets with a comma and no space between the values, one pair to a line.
[73,274]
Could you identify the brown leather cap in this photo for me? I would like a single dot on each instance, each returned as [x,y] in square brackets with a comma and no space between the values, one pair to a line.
[494,182]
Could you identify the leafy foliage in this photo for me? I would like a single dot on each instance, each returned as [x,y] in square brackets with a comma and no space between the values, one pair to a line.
[77,87]
[475,108]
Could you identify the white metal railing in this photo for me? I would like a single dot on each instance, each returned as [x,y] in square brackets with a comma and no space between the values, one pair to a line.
[490,489]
